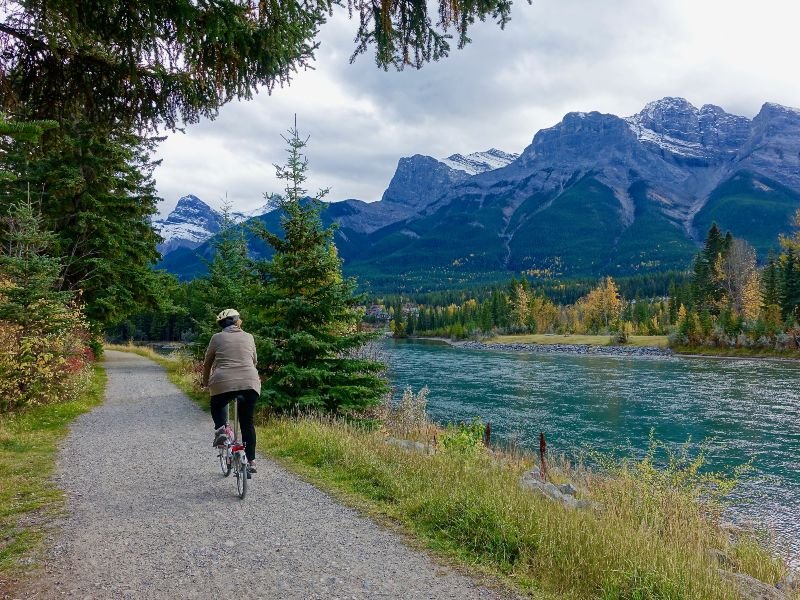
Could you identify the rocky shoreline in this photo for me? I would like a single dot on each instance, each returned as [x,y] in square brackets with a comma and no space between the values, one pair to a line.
[582,349]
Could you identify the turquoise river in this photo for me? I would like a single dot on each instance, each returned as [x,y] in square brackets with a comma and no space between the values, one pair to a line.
[749,408]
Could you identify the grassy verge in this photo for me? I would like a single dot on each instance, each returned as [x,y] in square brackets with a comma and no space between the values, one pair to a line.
[645,539]
[29,442]
[736,352]
[644,542]
[651,341]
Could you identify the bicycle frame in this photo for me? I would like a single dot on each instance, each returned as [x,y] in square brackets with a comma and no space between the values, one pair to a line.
[236,445]
[233,453]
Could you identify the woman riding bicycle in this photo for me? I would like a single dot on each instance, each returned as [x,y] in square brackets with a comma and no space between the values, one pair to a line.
[231,363]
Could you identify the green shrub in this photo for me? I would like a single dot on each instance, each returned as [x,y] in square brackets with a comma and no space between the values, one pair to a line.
[464,438]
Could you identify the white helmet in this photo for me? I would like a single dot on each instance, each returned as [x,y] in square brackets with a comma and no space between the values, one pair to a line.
[228,312]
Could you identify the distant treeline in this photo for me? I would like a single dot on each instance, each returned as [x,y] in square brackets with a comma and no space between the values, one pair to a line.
[522,307]
[565,291]
[725,301]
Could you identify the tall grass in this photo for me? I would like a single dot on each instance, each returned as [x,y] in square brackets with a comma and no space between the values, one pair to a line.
[652,533]
[29,441]
[643,541]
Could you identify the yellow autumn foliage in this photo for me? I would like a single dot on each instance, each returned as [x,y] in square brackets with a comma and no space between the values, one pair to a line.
[603,305]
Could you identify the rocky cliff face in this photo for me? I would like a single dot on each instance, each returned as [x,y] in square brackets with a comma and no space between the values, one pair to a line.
[682,152]
[419,180]
[676,126]
[773,147]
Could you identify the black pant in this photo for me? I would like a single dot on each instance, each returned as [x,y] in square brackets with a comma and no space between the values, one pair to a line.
[247,405]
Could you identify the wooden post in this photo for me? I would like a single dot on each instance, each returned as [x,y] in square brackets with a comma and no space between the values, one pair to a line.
[542,451]
[487,434]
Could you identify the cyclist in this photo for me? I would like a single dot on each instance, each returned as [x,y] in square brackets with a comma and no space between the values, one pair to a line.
[229,370]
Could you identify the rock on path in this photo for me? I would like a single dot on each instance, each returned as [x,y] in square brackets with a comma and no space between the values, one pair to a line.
[149,515]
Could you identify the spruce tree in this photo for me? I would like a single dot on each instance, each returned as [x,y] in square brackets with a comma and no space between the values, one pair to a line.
[707,291]
[229,281]
[770,283]
[673,302]
[306,315]
[29,275]
[97,195]
[790,286]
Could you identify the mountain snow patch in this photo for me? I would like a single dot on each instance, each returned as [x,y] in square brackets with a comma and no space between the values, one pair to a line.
[480,162]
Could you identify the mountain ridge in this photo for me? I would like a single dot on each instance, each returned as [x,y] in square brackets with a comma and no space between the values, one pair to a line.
[593,194]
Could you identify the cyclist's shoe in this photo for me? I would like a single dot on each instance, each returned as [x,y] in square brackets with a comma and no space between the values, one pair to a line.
[220,439]
[251,468]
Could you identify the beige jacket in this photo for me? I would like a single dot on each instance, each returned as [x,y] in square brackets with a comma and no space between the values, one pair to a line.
[231,362]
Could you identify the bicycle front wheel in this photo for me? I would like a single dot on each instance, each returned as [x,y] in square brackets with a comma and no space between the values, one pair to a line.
[241,478]
[224,464]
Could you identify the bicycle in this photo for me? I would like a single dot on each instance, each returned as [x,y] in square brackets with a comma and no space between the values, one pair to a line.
[232,457]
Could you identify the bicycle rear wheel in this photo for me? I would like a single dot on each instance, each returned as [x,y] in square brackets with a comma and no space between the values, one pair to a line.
[241,478]
[224,465]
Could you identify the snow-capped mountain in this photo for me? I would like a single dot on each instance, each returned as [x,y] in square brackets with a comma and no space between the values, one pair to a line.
[480,162]
[192,222]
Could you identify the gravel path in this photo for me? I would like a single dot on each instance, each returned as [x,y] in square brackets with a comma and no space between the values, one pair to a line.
[150,516]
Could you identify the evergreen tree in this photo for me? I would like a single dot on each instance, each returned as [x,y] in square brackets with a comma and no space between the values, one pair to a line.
[306,319]
[21,131]
[707,291]
[229,281]
[97,195]
[673,303]
[688,325]
[29,276]
[790,286]
[44,335]
[770,283]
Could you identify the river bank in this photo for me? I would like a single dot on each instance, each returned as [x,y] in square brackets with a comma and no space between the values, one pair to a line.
[580,349]
[557,348]
[620,351]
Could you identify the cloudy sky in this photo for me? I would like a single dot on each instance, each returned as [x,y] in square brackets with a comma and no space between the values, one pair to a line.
[555,56]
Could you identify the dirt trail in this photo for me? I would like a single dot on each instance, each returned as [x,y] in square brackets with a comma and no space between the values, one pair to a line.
[150,516]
